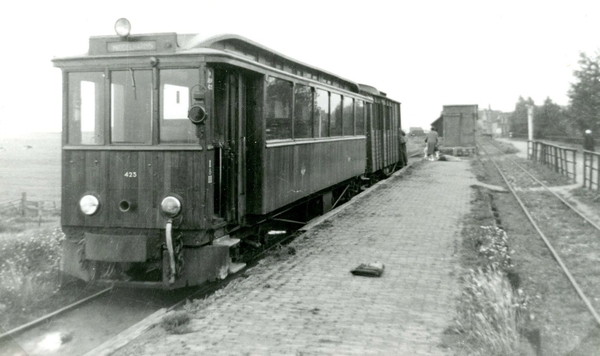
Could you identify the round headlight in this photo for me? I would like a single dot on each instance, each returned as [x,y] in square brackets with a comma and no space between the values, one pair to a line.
[171,206]
[122,27]
[89,204]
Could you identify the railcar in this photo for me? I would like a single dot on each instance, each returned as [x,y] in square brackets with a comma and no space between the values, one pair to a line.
[177,148]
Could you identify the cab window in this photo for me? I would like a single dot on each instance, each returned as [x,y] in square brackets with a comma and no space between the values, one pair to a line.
[131,106]
[86,108]
[176,87]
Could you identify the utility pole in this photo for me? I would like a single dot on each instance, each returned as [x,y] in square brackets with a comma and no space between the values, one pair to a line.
[530,122]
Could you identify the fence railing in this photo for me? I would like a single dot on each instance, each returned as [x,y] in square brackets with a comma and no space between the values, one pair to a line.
[562,160]
[591,170]
[26,207]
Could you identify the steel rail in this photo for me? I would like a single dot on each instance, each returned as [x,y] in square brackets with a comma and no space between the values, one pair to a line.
[554,193]
[549,245]
[48,316]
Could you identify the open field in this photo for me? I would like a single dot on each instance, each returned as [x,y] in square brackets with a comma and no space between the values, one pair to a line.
[31,164]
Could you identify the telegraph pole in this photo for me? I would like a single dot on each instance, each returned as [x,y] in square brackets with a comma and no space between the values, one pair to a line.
[530,122]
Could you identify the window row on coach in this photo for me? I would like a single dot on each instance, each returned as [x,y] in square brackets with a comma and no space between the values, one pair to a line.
[293,110]
[299,111]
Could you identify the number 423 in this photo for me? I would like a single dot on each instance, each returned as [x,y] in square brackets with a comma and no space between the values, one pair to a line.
[131,174]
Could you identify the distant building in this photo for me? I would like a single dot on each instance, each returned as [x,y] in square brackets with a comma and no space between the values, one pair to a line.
[493,123]
[458,126]
[416,131]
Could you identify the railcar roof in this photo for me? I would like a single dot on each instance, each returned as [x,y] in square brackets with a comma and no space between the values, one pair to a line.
[231,44]
[258,52]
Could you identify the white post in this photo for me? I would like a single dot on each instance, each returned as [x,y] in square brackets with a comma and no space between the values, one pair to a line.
[530,122]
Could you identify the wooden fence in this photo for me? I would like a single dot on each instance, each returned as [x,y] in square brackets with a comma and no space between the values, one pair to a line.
[24,207]
[591,170]
[562,160]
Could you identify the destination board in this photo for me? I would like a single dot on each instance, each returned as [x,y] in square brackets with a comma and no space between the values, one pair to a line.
[131,46]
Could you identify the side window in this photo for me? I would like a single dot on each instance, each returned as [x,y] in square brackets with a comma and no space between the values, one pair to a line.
[335,128]
[86,108]
[321,115]
[303,109]
[175,97]
[360,117]
[348,116]
[278,109]
[388,117]
[376,116]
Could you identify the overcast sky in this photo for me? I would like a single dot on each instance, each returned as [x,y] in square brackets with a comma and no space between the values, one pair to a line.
[425,54]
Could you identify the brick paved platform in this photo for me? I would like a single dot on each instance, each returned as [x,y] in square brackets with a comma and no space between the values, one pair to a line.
[308,303]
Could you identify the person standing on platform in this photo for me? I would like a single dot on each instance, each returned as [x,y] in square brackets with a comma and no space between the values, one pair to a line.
[432,141]
[588,141]
[404,156]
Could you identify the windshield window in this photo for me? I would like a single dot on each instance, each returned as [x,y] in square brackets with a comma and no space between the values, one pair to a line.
[176,87]
[131,106]
[86,108]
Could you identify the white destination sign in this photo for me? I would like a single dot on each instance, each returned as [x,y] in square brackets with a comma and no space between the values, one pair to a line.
[131,46]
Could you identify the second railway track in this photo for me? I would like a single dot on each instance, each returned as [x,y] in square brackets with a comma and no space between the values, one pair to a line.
[571,236]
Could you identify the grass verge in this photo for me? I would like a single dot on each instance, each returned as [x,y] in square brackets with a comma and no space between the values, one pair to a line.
[29,267]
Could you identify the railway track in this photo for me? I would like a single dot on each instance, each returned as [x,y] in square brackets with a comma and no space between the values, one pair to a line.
[571,237]
[81,326]
[84,327]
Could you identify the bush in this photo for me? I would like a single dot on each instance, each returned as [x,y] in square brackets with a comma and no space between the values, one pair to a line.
[29,269]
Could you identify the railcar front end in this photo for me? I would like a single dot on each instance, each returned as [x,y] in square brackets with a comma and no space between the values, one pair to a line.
[137,169]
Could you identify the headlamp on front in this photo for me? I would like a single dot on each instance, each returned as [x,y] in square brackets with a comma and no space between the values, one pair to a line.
[89,204]
[123,27]
[170,206]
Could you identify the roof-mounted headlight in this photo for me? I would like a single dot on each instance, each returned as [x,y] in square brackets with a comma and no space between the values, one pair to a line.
[123,27]
[89,204]
[170,206]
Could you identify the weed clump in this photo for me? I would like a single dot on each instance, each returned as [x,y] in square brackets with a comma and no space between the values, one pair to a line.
[492,307]
[176,323]
[493,247]
[491,313]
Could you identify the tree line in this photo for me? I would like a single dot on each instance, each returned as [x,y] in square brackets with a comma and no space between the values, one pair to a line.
[582,113]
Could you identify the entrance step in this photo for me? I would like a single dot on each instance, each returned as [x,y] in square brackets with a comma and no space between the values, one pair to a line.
[236,267]
[226,241]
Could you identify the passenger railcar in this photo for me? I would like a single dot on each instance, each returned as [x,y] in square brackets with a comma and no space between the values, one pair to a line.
[175,148]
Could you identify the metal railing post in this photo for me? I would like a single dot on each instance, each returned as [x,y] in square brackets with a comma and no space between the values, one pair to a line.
[574,165]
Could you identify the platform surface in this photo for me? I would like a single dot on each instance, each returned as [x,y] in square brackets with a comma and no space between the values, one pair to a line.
[308,302]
